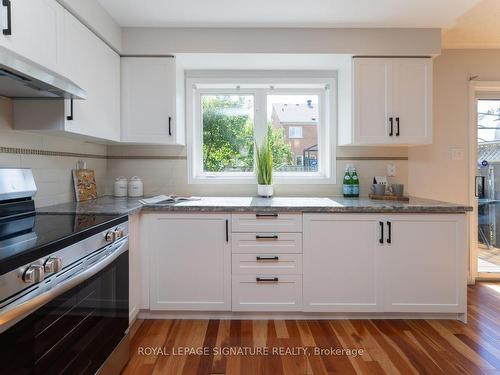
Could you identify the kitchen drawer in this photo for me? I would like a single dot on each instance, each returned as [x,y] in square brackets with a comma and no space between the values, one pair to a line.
[283,293]
[265,264]
[266,222]
[266,243]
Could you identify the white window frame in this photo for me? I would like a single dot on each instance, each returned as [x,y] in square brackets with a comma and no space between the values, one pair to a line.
[295,128]
[260,84]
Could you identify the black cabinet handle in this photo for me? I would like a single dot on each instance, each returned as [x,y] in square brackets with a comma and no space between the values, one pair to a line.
[227,230]
[391,122]
[169,125]
[70,117]
[266,236]
[397,126]
[266,214]
[389,235]
[266,279]
[8,30]
[264,258]
[381,239]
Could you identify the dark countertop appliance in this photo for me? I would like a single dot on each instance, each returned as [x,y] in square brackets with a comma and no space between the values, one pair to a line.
[64,305]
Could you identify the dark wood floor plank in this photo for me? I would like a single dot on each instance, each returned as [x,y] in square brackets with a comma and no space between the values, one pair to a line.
[391,346]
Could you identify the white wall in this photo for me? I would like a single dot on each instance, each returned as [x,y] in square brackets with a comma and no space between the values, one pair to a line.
[52,173]
[431,171]
[379,41]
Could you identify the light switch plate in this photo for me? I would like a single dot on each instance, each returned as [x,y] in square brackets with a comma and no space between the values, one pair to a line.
[457,153]
[391,170]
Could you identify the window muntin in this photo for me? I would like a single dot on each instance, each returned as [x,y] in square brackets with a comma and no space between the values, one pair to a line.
[319,166]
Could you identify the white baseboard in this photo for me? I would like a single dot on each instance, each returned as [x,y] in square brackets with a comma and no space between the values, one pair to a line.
[203,315]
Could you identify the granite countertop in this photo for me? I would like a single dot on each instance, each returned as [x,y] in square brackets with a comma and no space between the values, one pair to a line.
[122,206]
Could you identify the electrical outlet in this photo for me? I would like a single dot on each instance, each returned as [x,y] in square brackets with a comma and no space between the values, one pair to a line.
[391,170]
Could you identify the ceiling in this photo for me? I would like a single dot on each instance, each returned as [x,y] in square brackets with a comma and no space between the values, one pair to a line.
[479,27]
[288,13]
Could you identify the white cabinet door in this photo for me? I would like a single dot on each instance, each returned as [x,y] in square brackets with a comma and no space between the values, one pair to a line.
[190,262]
[36,29]
[372,85]
[412,100]
[425,264]
[341,263]
[392,102]
[95,67]
[148,100]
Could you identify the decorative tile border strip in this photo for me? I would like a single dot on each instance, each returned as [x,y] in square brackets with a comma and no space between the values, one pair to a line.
[31,151]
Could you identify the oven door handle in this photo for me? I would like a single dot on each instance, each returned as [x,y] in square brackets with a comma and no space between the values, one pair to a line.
[11,315]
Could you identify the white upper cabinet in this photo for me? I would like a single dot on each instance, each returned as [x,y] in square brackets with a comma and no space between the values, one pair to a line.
[391,102]
[35,30]
[95,67]
[148,101]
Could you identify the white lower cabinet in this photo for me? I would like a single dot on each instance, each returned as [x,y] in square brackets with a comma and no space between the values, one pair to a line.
[190,264]
[342,263]
[396,263]
[425,265]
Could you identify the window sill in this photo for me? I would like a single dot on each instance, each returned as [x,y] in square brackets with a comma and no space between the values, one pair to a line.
[314,179]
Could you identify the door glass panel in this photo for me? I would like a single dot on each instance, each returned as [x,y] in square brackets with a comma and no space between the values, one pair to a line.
[488,185]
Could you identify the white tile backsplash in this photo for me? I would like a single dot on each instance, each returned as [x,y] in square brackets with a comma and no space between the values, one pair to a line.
[160,176]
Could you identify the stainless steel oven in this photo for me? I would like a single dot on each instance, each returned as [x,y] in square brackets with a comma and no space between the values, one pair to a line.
[72,321]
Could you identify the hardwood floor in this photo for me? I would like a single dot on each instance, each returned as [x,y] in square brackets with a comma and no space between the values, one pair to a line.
[389,346]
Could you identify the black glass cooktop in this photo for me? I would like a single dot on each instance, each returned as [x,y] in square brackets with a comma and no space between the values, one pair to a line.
[28,238]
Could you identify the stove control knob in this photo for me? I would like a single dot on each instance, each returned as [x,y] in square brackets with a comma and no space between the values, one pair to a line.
[119,233]
[53,264]
[34,274]
[110,236]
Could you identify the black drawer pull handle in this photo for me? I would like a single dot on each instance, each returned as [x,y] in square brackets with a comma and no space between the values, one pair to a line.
[397,126]
[227,230]
[389,237]
[266,214]
[381,239]
[70,117]
[169,125]
[392,126]
[8,30]
[271,258]
[266,279]
[266,236]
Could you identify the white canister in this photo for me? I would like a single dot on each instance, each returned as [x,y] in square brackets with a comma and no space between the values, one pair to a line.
[135,187]
[120,189]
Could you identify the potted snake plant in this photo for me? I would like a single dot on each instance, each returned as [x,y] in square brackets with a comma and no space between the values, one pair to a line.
[264,166]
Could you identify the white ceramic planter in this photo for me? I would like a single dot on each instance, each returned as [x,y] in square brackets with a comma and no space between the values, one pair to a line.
[265,190]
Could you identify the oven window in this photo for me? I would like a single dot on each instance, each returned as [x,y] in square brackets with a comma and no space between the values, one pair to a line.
[77,331]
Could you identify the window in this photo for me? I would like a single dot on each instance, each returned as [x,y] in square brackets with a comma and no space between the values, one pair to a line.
[295,132]
[227,115]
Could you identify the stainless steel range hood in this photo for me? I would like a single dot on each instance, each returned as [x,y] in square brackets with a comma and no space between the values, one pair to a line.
[21,78]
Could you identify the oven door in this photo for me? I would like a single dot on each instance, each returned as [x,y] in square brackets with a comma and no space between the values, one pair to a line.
[74,326]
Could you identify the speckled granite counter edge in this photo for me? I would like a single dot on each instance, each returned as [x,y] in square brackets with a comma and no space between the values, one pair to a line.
[413,210]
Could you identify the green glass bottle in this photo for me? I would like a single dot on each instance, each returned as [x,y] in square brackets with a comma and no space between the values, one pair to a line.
[355,182]
[347,184]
